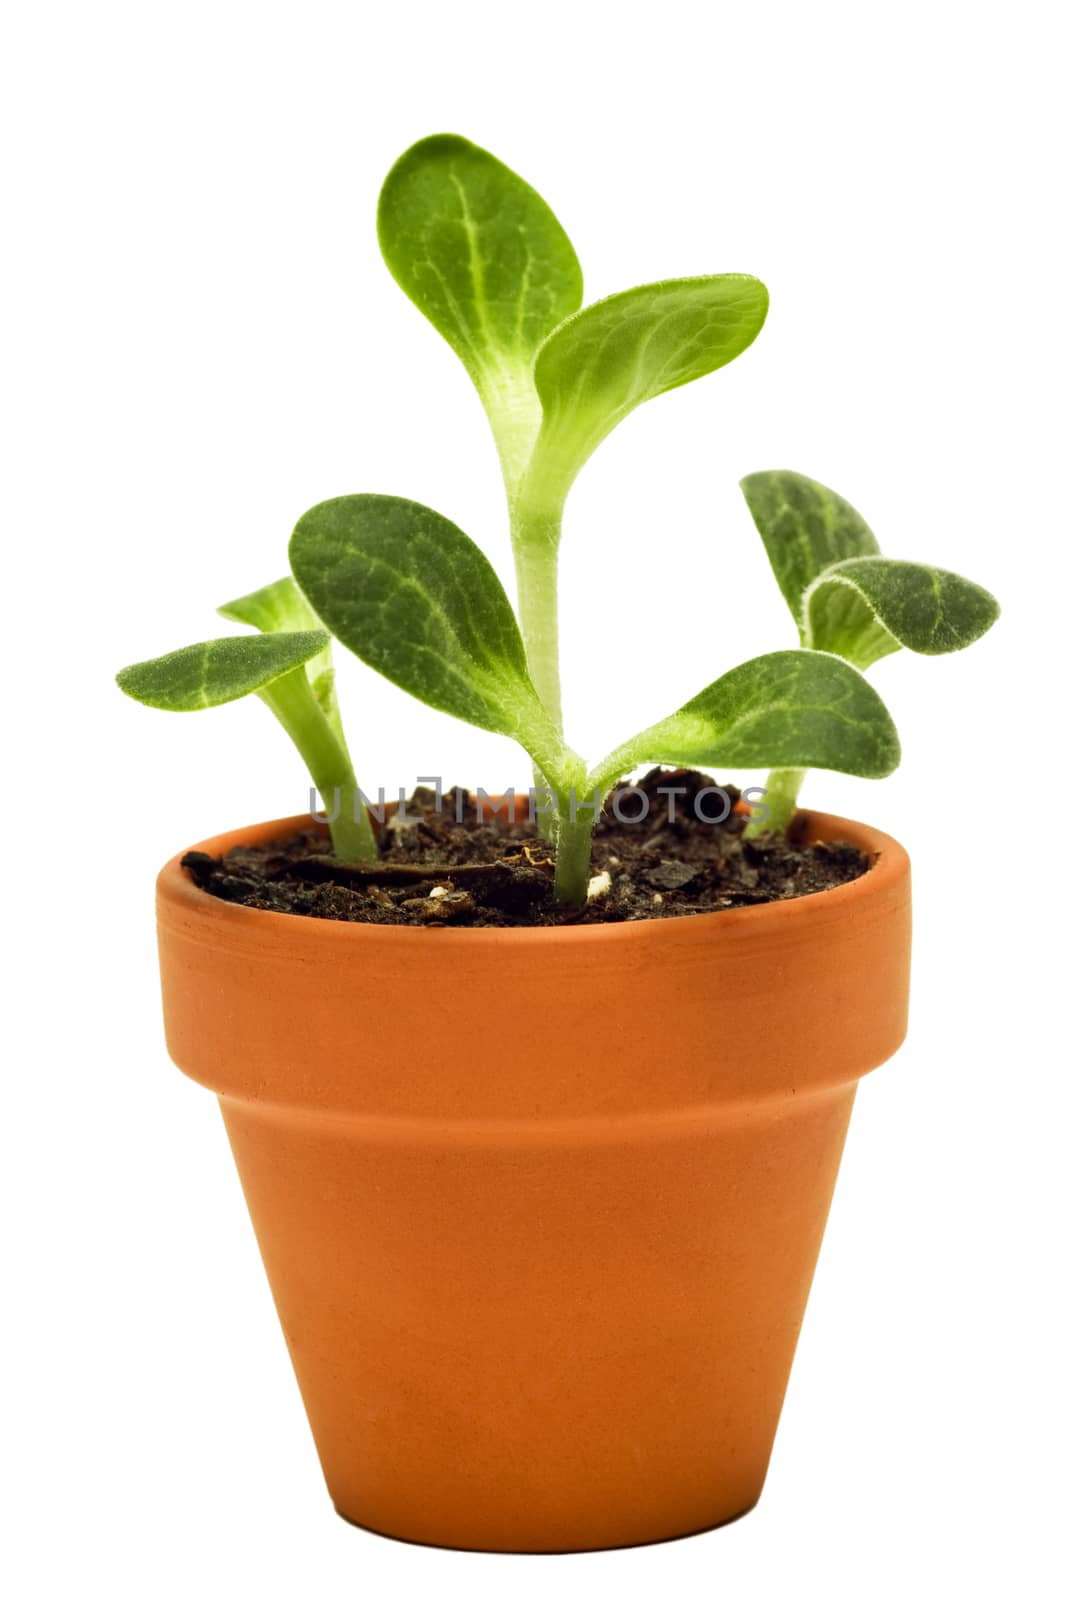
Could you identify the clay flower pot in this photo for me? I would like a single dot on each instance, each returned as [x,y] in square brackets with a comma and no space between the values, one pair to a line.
[540,1207]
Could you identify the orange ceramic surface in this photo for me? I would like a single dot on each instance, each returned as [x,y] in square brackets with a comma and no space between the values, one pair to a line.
[540,1207]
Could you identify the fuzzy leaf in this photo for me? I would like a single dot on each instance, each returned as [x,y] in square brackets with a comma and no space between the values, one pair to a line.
[612,356]
[411,594]
[482,255]
[866,608]
[805,528]
[792,708]
[219,670]
[280,607]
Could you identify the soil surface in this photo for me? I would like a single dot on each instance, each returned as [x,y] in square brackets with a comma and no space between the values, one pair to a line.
[436,871]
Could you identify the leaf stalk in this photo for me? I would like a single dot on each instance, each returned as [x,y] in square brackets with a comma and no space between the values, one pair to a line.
[572,867]
[782,791]
[293,701]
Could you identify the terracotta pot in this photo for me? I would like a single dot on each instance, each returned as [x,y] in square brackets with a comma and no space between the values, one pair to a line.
[540,1207]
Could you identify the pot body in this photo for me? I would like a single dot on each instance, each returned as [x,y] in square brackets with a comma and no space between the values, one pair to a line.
[540,1207]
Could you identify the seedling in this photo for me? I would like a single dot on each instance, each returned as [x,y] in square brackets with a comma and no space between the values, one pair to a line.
[288,665]
[484,258]
[849,599]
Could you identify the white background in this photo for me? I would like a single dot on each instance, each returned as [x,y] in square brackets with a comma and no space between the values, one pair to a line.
[201,341]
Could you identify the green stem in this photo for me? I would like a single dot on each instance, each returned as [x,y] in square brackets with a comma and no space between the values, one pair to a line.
[578,803]
[324,752]
[535,536]
[782,790]
[535,553]
[572,866]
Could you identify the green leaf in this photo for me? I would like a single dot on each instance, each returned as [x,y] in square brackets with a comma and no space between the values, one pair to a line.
[482,255]
[220,670]
[612,356]
[280,607]
[866,608]
[793,708]
[805,528]
[845,595]
[411,594]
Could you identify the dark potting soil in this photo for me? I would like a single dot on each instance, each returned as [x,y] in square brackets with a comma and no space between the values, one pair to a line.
[436,871]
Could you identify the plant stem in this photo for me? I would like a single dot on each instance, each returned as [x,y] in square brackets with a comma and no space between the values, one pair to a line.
[535,536]
[324,752]
[572,868]
[535,553]
[578,802]
[782,789]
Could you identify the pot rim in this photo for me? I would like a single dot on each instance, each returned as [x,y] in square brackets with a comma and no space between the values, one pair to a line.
[179,896]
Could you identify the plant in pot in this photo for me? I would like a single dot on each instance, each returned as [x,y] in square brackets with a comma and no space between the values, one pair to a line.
[538,1111]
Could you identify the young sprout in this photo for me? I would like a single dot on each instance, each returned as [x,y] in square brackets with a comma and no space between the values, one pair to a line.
[288,665]
[490,266]
[849,599]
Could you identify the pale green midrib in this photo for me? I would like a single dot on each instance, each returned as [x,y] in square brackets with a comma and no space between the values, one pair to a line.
[508,362]
[500,382]
[936,586]
[408,581]
[745,721]
[206,652]
[489,676]
[522,291]
[504,637]
[204,700]
[796,537]
[478,689]
[747,718]
[643,747]
[470,341]
[502,376]
[504,383]
[479,298]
